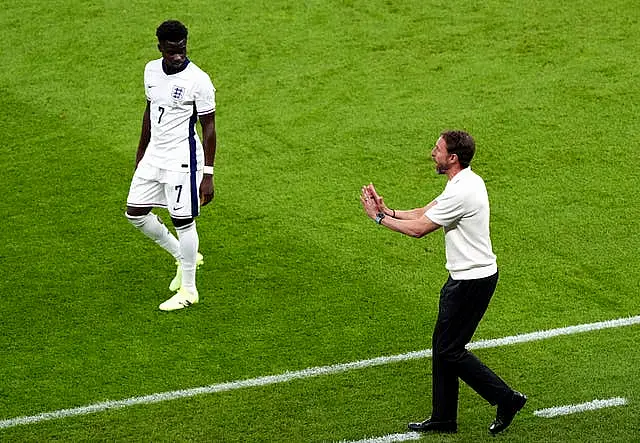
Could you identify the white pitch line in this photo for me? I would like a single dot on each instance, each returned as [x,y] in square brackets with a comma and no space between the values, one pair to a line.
[391,438]
[582,407]
[307,373]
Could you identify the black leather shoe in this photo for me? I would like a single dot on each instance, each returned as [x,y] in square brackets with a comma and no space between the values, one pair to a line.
[507,411]
[449,427]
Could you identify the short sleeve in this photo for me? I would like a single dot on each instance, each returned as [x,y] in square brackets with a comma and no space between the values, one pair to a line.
[448,210]
[205,96]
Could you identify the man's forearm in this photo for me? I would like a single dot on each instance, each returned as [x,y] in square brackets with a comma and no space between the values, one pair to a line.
[210,149]
[411,214]
[209,141]
[417,228]
[145,135]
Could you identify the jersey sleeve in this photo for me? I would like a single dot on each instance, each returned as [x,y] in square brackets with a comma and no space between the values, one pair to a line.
[205,96]
[448,209]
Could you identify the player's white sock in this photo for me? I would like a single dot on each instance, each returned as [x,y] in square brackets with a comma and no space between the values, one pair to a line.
[152,227]
[189,242]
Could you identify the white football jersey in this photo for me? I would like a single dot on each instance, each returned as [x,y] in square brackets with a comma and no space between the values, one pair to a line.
[176,101]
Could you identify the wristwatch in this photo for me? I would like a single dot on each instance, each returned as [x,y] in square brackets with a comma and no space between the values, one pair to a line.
[379,217]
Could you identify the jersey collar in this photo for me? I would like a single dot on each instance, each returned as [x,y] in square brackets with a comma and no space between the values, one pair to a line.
[184,66]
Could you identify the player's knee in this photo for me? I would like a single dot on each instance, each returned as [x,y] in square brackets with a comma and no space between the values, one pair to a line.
[137,216]
[182,223]
[134,211]
[140,220]
[136,220]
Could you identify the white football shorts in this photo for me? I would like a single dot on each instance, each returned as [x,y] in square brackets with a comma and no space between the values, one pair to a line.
[176,191]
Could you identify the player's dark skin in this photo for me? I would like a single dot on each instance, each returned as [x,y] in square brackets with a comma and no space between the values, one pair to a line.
[174,55]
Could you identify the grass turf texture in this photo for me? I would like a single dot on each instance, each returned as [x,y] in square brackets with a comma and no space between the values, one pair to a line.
[314,100]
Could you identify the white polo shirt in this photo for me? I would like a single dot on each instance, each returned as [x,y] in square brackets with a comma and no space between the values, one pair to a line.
[463,211]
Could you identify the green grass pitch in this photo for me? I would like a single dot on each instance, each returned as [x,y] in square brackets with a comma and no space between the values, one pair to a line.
[316,98]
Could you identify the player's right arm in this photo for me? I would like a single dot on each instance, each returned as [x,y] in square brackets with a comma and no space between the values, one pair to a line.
[414,214]
[145,133]
[411,214]
[413,227]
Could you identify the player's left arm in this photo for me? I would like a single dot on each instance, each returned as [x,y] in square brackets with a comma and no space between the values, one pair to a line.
[414,227]
[208,123]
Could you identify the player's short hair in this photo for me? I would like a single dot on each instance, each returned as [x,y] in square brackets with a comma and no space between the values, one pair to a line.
[460,143]
[171,31]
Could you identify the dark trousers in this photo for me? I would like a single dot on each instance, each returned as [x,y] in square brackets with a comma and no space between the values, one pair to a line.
[462,305]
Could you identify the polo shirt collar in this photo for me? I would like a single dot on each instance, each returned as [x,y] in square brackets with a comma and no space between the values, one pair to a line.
[460,175]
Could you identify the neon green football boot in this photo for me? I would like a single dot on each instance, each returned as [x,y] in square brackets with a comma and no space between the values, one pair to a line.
[180,300]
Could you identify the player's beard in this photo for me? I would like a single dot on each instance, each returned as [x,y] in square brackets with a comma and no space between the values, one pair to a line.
[440,169]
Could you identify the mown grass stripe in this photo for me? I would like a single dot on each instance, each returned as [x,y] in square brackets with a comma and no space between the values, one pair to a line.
[309,372]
